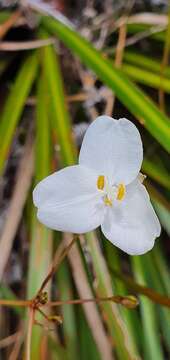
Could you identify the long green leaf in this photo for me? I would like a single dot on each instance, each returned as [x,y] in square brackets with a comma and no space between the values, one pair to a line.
[156,172]
[145,62]
[151,341]
[146,77]
[41,242]
[117,328]
[15,104]
[130,95]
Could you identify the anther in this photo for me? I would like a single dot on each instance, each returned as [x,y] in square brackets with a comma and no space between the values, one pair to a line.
[100,182]
[121,192]
[107,201]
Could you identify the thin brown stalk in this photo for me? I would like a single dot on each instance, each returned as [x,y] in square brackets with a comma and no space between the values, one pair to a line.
[57,261]
[4,28]
[22,185]
[143,290]
[118,61]
[20,303]
[9,340]
[127,301]
[148,18]
[31,316]
[14,355]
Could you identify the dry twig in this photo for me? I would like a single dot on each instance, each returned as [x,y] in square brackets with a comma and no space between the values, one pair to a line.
[23,182]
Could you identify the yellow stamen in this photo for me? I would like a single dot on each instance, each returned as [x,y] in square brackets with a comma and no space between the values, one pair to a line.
[107,201]
[100,182]
[121,192]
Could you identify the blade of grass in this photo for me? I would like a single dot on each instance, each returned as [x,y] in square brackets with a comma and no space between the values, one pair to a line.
[129,94]
[61,119]
[116,327]
[164,216]
[162,267]
[15,104]
[130,317]
[151,341]
[41,241]
[146,77]
[69,327]
[137,28]
[145,62]
[153,277]
[156,172]
[87,347]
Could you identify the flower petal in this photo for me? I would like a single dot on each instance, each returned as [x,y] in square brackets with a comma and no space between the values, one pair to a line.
[132,225]
[68,200]
[112,148]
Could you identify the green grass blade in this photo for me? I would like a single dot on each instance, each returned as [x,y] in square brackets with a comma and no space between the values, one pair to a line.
[156,172]
[69,327]
[130,317]
[41,242]
[116,326]
[61,121]
[151,341]
[154,276]
[128,93]
[137,28]
[145,62]
[164,215]
[146,77]
[15,104]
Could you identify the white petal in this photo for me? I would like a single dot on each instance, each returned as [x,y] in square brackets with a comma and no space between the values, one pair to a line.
[68,200]
[132,225]
[112,148]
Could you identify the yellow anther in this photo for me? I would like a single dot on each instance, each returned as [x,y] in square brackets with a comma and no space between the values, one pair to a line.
[107,201]
[121,192]
[100,182]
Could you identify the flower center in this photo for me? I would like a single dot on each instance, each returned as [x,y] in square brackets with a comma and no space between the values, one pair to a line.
[110,192]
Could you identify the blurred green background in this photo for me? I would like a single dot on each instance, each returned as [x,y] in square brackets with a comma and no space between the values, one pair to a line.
[63,63]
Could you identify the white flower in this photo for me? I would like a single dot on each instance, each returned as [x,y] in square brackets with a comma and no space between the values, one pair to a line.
[103,189]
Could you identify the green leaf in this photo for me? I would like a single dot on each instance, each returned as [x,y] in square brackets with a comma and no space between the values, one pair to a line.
[146,77]
[156,172]
[128,93]
[151,341]
[145,62]
[116,327]
[41,239]
[61,121]
[15,104]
